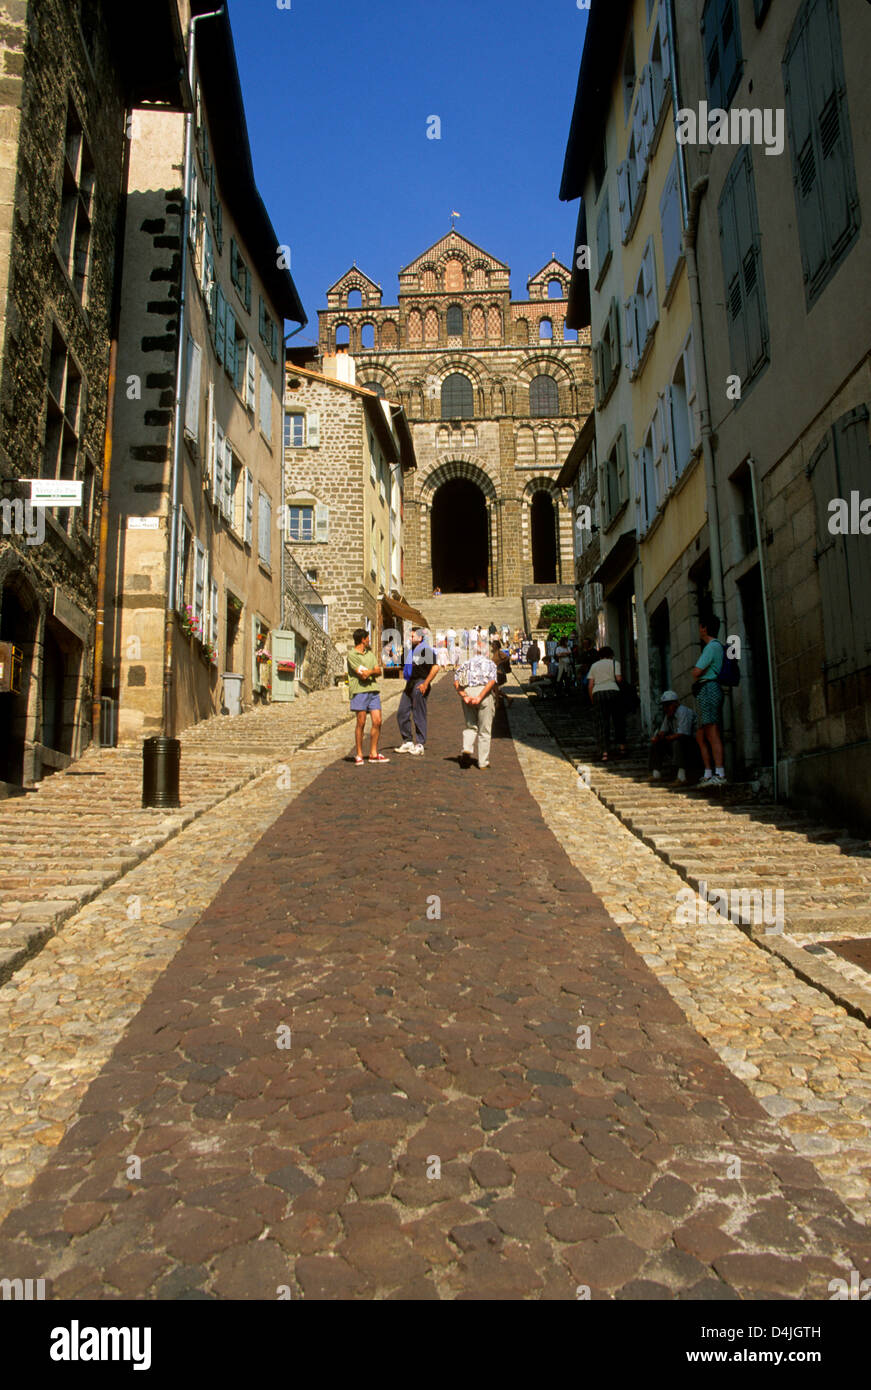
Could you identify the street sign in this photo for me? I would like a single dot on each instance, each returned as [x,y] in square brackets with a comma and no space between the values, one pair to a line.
[55,492]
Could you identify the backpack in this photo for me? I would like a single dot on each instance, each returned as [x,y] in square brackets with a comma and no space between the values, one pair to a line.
[730,672]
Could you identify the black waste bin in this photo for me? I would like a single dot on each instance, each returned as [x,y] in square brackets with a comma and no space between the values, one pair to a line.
[161,760]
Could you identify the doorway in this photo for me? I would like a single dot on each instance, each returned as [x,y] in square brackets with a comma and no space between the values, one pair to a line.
[543,524]
[460,549]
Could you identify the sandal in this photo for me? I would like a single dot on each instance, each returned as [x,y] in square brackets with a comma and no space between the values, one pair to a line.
[359,761]
[380,759]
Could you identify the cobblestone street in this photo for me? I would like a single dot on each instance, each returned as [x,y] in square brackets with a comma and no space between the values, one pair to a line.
[417,1031]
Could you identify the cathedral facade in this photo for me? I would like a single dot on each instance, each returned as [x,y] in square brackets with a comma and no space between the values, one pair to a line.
[495,390]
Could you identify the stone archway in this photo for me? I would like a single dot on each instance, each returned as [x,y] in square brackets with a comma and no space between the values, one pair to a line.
[459,525]
[543,543]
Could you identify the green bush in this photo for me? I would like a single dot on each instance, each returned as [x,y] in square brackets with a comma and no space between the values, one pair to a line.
[558,630]
[558,613]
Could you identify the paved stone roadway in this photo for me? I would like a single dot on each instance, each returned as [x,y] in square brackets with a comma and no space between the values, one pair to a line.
[433,1131]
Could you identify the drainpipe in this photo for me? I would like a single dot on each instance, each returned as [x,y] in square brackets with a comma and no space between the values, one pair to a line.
[109,438]
[769,651]
[169,620]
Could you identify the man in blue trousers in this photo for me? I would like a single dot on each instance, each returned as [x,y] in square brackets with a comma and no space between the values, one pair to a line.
[419,671]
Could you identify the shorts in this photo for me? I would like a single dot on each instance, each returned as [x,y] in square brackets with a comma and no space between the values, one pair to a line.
[366,700]
[709,702]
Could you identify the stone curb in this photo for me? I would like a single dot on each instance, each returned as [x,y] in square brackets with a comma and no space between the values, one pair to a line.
[24,936]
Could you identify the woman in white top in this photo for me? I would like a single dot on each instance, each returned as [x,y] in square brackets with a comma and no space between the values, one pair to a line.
[605,678]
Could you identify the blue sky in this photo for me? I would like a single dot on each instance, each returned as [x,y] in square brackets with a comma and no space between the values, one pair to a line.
[337,95]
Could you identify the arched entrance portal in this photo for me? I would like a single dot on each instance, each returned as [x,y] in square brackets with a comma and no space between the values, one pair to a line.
[460,551]
[543,522]
[18,620]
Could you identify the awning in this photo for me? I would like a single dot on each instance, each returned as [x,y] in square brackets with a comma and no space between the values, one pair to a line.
[394,607]
[619,559]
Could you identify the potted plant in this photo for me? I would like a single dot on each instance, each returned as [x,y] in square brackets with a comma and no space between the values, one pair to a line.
[287,668]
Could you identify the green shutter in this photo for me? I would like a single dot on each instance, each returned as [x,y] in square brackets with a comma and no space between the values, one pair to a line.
[831,125]
[732,278]
[831,561]
[747,231]
[854,476]
[805,154]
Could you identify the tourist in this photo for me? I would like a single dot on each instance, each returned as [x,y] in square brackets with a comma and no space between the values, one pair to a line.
[420,671]
[451,639]
[675,738]
[364,692]
[604,684]
[709,702]
[475,683]
[533,656]
[565,670]
[502,661]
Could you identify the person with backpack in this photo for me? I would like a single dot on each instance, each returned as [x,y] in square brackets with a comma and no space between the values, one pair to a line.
[709,702]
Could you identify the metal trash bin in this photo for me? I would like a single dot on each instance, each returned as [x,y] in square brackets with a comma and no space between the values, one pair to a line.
[161,763]
[232,692]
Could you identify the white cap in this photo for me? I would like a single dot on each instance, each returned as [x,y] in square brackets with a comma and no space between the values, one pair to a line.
[669,696]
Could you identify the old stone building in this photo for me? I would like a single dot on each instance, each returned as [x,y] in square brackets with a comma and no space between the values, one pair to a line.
[348,460]
[493,389]
[71,74]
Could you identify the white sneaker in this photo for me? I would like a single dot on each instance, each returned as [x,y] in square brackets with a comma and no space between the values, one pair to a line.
[681,774]
[404,748]
[719,778]
[656,775]
[417,750]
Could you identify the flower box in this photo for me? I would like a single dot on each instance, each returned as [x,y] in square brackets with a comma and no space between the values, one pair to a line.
[287,667]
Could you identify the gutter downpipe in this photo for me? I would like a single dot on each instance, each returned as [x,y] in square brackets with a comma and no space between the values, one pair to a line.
[108,442]
[169,622]
[751,464]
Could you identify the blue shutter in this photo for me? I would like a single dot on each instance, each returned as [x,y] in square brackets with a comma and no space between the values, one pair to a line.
[730,50]
[732,277]
[747,230]
[808,192]
[831,123]
[831,561]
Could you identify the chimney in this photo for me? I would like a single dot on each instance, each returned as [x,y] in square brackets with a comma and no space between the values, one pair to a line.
[341,367]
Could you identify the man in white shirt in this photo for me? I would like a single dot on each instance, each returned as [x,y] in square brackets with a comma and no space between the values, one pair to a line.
[475,683]
[675,737]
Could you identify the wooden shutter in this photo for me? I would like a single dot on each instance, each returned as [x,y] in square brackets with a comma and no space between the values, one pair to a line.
[249,506]
[831,125]
[732,277]
[854,476]
[218,471]
[209,458]
[614,335]
[230,348]
[265,528]
[629,337]
[255,669]
[645,102]
[193,218]
[831,560]
[730,51]
[597,373]
[639,140]
[266,405]
[638,476]
[805,153]
[322,523]
[199,586]
[622,468]
[603,235]
[313,429]
[220,332]
[710,30]
[664,46]
[227,501]
[648,270]
[208,273]
[214,619]
[604,497]
[747,230]
[179,563]
[623,202]
[192,400]
[251,381]
[665,409]
[670,219]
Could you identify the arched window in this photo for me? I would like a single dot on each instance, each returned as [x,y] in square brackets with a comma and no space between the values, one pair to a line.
[545,330]
[543,396]
[454,277]
[343,335]
[355,299]
[367,336]
[455,321]
[554,289]
[374,386]
[457,397]
[570,335]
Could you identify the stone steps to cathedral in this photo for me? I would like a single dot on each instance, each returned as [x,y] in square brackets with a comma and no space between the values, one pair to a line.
[465,610]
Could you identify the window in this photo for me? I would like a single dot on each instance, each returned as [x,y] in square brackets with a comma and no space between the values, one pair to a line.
[367,337]
[606,356]
[839,466]
[641,310]
[192,399]
[742,271]
[457,397]
[614,478]
[264,529]
[294,431]
[343,335]
[355,299]
[74,232]
[183,561]
[670,221]
[63,420]
[268,330]
[545,330]
[543,396]
[826,195]
[373,549]
[603,240]
[301,523]
[628,78]
[630,186]
[240,274]
[266,406]
[455,321]
[645,483]
[660,63]
[721,38]
[238,359]
[682,404]
[235,478]
[216,211]
[555,289]
[376,387]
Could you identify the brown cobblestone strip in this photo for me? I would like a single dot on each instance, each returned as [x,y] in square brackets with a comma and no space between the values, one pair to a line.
[434,1129]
